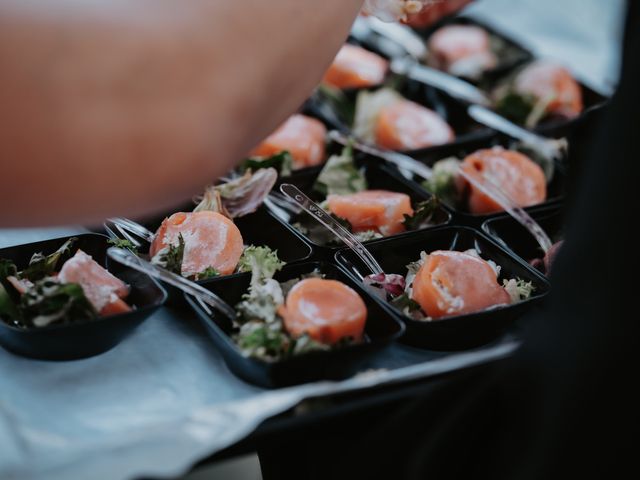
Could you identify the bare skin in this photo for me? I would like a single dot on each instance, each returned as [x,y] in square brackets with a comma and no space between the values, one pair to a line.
[127,107]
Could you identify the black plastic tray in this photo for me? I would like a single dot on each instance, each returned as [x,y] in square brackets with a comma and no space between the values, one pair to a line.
[379,176]
[464,331]
[517,239]
[556,189]
[86,339]
[259,228]
[519,54]
[452,111]
[381,329]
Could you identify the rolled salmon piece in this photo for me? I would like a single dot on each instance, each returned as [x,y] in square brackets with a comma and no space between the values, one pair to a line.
[355,67]
[553,83]
[326,310]
[462,50]
[211,240]
[378,210]
[514,173]
[405,125]
[453,283]
[303,137]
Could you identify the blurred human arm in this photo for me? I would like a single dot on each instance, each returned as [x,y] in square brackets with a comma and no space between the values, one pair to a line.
[125,107]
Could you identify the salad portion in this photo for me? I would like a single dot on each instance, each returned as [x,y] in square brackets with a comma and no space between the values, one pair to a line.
[388,120]
[342,188]
[462,50]
[358,93]
[205,242]
[471,51]
[276,320]
[58,289]
[540,91]
[513,172]
[447,283]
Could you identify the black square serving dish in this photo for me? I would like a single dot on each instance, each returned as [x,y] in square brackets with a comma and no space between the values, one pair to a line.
[381,329]
[509,52]
[84,339]
[259,228]
[512,55]
[556,188]
[452,111]
[460,332]
[517,239]
[379,175]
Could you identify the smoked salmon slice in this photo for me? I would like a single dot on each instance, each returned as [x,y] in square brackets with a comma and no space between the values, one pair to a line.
[517,175]
[326,310]
[405,125]
[303,137]
[378,210]
[462,50]
[103,290]
[355,67]
[547,81]
[211,240]
[455,283]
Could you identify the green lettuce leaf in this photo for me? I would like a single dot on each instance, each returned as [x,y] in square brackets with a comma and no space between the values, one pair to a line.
[42,266]
[340,176]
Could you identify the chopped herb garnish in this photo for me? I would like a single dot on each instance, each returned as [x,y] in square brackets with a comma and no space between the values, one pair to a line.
[423,215]
[403,302]
[258,339]
[8,309]
[7,269]
[51,302]
[282,162]
[443,182]
[515,106]
[171,257]
[42,266]
[207,273]
[340,106]
[124,244]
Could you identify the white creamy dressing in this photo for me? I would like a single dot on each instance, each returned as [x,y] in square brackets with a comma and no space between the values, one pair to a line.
[448,302]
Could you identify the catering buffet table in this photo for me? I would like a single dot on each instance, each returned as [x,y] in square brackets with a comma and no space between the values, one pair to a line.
[164,399]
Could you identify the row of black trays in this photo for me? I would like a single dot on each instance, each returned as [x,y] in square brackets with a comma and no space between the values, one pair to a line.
[510,247]
[385,323]
[468,132]
[497,237]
